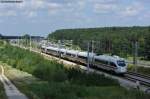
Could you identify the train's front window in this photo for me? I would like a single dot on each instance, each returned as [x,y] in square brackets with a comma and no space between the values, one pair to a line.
[121,63]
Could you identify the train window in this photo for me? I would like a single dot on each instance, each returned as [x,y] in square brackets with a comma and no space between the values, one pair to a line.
[82,57]
[48,50]
[112,64]
[42,48]
[101,61]
[121,63]
[73,55]
[51,50]
[68,54]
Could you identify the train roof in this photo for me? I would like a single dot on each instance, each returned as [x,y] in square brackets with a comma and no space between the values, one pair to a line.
[43,46]
[106,58]
[63,50]
[85,54]
[72,51]
[52,48]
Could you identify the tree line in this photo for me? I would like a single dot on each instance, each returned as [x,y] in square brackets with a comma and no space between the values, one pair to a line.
[114,40]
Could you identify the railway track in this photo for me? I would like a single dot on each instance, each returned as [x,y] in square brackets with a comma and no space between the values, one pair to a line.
[142,79]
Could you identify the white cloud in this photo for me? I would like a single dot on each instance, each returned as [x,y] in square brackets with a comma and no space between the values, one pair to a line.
[71,6]
[31,14]
[32,4]
[145,16]
[53,8]
[8,13]
[38,4]
[132,10]
[104,1]
[30,8]
[118,8]
[104,8]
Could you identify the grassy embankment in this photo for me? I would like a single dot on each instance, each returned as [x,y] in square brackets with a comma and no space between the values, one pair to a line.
[1,44]
[142,70]
[57,82]
[2,91]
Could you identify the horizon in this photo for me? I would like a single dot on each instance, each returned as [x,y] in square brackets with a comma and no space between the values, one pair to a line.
[77,28]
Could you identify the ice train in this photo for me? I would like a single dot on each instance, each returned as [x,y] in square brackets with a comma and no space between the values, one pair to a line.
[106,62]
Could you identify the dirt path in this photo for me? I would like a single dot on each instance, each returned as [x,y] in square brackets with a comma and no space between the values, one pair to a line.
[11,91]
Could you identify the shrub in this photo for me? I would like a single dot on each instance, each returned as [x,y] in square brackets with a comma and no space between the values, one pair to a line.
[92,79]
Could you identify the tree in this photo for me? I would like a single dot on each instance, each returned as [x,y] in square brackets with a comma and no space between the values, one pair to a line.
[1,36]
[26,36]
[26,39]
[116,40]
[147,47]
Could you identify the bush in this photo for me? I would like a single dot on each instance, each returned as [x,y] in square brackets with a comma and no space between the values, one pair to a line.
[2,92]
[92,79]
[32,63]
[144,70]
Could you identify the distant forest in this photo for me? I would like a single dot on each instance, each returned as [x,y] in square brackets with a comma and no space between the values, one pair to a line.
[114,40]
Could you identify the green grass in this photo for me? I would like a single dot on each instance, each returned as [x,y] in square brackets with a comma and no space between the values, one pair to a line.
[141,60]
[37,89]
[2,92]
[21,79]
[66,91]
[1,44]
[142,70]
[77,77]
[50,71]
[51,80]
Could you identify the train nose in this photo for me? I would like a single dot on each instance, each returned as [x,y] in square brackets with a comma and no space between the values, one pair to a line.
[123,69]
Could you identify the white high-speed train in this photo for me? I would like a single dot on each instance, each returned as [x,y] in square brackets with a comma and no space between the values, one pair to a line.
[110,63]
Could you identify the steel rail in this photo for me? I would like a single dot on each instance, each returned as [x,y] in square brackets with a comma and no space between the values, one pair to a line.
[143,79]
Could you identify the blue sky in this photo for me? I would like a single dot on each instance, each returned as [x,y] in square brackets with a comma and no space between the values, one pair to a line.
[41,17]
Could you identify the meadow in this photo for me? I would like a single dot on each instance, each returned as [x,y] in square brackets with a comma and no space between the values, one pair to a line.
[51,80]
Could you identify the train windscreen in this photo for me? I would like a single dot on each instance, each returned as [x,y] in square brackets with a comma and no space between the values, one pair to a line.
[121,63]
